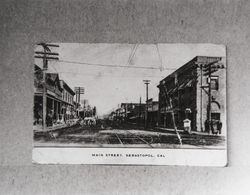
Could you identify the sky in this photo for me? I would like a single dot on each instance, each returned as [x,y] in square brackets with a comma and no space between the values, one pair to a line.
[113,73]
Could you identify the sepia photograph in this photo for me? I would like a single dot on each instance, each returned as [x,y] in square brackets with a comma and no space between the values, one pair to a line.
[148,96]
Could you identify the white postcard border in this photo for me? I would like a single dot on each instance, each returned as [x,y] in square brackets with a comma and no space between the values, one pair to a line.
[133,156]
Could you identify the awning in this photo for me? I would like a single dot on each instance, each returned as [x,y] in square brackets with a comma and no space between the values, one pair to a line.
[171,91]
[187,83]
[190,83]
[182,86]
[134,117]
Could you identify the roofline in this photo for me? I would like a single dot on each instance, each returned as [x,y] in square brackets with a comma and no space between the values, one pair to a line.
[186,66]
[57,75]
[68,87]
[132,103]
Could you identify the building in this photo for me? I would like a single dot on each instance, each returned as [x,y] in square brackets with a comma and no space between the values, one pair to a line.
[185,93]
[133,112]
[53,97]
[152,117]
[67,111]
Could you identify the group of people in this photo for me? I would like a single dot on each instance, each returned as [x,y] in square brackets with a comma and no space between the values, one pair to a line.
[215,125]
[88,122]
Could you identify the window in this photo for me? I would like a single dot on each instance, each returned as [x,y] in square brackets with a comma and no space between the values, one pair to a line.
[215,116]
[215,83]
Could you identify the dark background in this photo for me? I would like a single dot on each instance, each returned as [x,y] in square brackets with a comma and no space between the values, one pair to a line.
[24,23]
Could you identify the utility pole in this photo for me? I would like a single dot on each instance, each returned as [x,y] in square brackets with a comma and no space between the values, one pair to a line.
[78,92]
[46,55]
[146,82]
[209,101]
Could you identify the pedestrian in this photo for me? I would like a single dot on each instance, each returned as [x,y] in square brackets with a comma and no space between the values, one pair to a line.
[49,118]
[187,125]
[219,126]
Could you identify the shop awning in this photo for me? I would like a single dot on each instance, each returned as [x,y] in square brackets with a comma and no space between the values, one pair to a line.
[187,83]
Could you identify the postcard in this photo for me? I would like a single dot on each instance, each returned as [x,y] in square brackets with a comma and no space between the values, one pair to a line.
[130,104]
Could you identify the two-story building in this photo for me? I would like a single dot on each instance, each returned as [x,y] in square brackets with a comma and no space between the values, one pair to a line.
[133,112]
[185,92]
[67,110]
[53,97]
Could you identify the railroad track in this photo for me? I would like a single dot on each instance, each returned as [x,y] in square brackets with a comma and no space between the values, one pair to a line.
[143,140]
[126,140]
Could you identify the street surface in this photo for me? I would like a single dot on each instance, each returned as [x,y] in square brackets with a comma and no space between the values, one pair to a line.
[79,136]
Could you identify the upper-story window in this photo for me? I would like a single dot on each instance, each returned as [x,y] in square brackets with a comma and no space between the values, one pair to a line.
[215,83]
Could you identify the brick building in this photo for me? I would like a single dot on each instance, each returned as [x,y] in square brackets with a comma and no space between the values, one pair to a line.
[187,89]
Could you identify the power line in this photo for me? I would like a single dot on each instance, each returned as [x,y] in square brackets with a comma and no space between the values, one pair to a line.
[115,66]
[133,54]
[105,75]
[161,67]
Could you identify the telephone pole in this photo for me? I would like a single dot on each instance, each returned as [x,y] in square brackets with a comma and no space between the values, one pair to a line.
[46,55]
[78,92]
[146,82]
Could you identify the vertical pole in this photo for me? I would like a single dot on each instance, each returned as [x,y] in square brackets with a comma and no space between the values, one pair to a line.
[173,119]
[78,105]
[172,113]
[45,62]
[84,106]
[146,116]
[140,113]
[209,101]
[201,103]
[76,95]
[178,95]
[146,111]
[53,108]
[45,67]
[57,109]
[79,96]
[76,102]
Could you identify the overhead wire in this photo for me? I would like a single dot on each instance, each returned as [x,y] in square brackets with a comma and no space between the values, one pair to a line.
[107,75]
[113,65]
[160,58]
[130,55]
